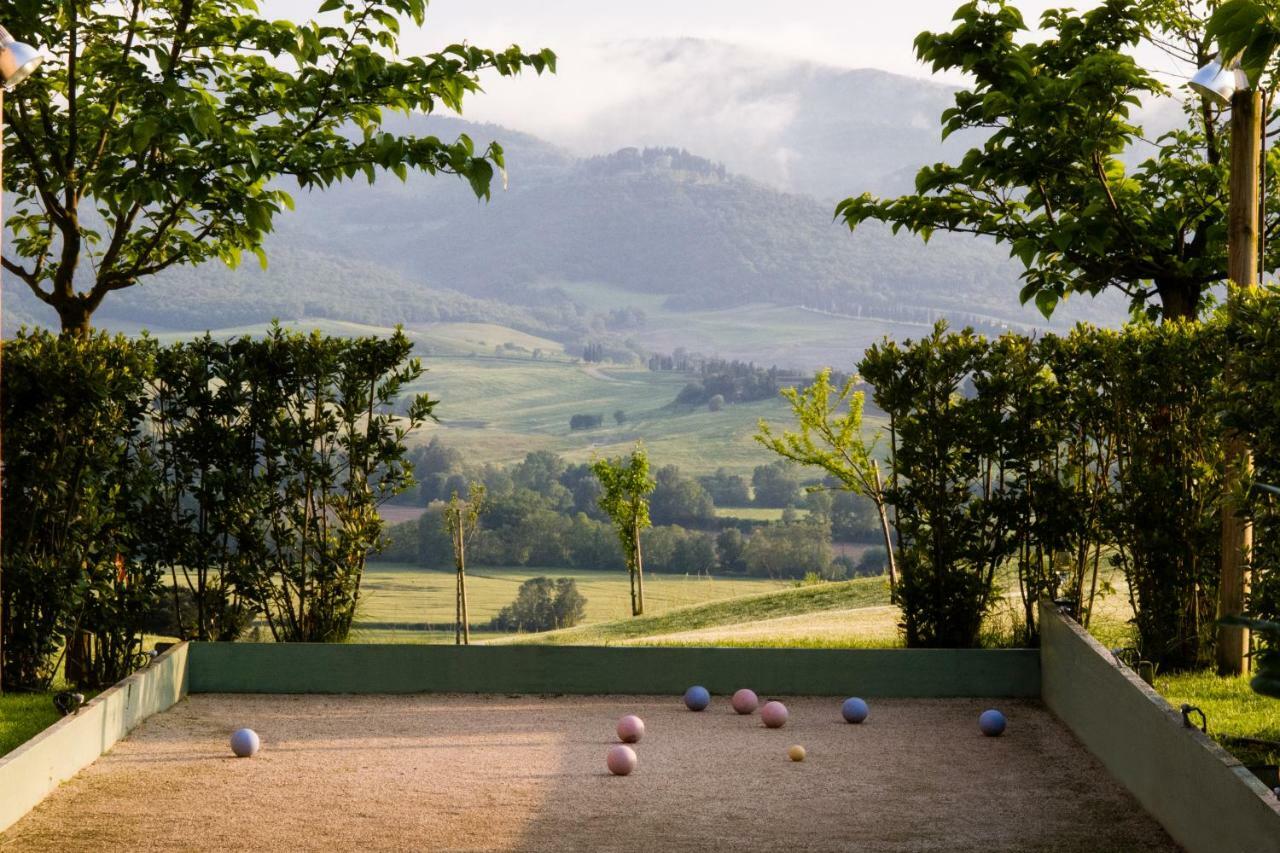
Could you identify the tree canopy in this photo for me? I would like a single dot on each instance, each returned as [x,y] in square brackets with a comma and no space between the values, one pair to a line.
[159,134]
[627,484]
[1053,180]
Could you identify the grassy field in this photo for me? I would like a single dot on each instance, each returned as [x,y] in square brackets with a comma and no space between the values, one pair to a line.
[498,402]
[413,603]
[23,716]
[526,405]
[1236,715]
[789,336]
[653,627]
[756,513]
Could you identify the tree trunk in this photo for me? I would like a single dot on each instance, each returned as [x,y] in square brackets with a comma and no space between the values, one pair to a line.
[74,315]
[457,592]
[78,661]
[639,610]
[888,535]
[1179,300]
[462,588]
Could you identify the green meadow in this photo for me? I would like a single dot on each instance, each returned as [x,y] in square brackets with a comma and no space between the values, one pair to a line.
[497,402]
[411,600]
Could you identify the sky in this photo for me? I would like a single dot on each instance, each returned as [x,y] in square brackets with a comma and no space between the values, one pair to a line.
[845,33]
[606,67]
[849,33]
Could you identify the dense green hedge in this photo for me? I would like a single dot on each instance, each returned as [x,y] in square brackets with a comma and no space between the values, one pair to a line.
[248,472]
[1059,454]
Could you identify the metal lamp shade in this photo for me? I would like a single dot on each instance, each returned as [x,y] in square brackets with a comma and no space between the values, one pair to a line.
[1217,83]
[17,60]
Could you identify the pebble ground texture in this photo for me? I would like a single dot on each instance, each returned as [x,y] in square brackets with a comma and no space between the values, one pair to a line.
[528,773]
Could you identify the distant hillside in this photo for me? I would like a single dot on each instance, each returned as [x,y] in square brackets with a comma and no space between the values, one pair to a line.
[654,221]
[654,228]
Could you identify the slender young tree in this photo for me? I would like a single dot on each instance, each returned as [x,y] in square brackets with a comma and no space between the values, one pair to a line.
[627,485]
[833,441]
[462,519]
[167,132]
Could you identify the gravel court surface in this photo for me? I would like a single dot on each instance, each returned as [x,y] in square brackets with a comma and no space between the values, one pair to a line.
[446,772]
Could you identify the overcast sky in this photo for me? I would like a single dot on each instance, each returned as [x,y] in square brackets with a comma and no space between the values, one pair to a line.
[604,71]
[849,33]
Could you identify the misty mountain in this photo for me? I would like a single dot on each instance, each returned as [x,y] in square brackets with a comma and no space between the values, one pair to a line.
[653,222]
[797,126]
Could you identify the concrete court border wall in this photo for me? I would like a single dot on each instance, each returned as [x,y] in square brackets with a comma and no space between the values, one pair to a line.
[1202,796]
[30,772]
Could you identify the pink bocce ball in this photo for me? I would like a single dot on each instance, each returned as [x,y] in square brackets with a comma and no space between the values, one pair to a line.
[774,714]
[630,729]
[620,760]
[745,701]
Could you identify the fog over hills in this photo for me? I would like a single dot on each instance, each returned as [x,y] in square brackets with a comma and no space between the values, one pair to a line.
[801,127]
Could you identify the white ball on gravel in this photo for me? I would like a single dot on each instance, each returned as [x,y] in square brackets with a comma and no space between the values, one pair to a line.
[245,743]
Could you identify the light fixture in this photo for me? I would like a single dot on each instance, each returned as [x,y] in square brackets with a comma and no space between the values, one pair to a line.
[1219,83]
[17,60]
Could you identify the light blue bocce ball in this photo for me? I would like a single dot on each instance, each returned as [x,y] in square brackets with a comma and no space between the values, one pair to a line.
[697,698]
[991,722]
[245,743]
[854,710]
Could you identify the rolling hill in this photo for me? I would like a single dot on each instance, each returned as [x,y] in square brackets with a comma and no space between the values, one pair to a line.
[687,252]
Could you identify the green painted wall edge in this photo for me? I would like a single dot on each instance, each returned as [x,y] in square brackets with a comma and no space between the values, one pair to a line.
[375,668]
[1202,796]
[68,746]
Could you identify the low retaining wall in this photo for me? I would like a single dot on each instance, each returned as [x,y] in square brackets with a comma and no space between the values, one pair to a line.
[1202,796]
[315,668]
[68,746]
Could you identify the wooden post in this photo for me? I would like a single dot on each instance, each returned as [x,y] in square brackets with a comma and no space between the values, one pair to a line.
[1,371]
[1242,269]
[459,582]
[462,587]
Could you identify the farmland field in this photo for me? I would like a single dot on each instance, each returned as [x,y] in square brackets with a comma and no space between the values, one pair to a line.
[755,513]
[498,410]
[414,603]
[497,402]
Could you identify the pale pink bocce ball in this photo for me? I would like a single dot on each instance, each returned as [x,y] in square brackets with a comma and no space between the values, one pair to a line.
[620,760]
[630,729]
[745,701]
[774,714]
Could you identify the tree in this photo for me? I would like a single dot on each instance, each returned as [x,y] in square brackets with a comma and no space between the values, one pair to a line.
[462,518]
[539,471]
[328,418]
[678,499]
[435,543]
[78,507]
[726,489]
[627,485]
[543,604]
[165,133]
[789,550]
[730,547]
[584,421]
[776,485]
[834,442]
[1050,180]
